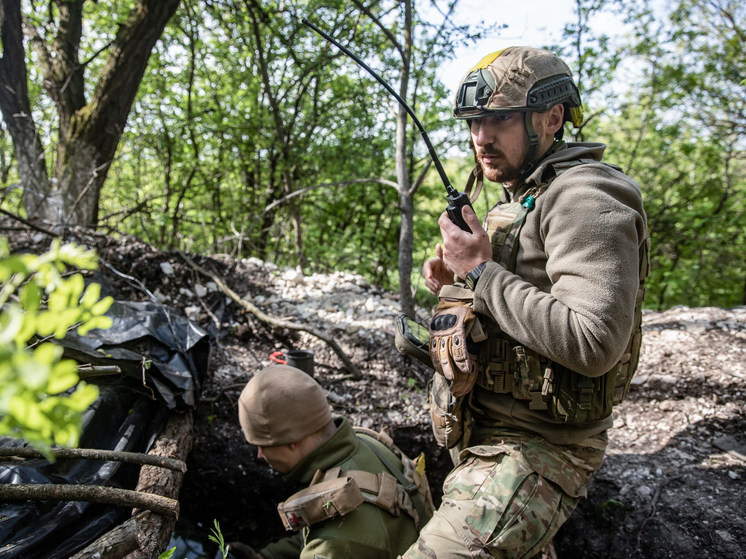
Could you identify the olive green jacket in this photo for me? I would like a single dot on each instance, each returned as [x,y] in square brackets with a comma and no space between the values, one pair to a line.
[368,532]
[572,296]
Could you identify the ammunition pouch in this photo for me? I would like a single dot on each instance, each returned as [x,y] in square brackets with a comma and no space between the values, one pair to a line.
[567,396]
[319,502]
[455,332]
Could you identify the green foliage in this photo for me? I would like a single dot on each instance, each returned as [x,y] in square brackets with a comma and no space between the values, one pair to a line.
[252,136]
[276,146]
[41,398]
[217,536]
[679,133]
[167,554]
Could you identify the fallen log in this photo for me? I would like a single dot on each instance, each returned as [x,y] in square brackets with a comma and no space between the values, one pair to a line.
[145,535]
[118,542]
[261,315]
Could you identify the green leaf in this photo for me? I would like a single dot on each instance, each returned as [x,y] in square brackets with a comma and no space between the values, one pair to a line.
[32,374]
[83,397]
[11,321]
[64,376]
[102,306]
[167,554]
[100,322]
[90,296]
[27,415]
[30,296]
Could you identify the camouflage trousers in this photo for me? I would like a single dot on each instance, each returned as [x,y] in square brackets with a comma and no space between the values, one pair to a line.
[508,497]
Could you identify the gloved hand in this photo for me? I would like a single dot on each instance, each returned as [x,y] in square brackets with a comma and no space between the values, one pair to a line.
[450,327]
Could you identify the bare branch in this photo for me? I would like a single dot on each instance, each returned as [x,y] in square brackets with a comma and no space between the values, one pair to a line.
[279,323]
[97,454]
[91,494]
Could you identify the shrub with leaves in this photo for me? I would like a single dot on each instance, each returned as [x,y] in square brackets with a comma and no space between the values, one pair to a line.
[43,297]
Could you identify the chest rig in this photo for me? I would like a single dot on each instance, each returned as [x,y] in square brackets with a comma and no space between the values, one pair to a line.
[505,366]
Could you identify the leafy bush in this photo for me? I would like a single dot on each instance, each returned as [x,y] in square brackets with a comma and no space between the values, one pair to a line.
[43,297]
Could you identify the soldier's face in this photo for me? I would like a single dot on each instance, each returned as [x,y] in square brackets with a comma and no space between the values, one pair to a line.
[500,143]
[281,458]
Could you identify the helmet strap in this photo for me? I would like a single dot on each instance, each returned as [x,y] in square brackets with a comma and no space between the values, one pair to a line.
[475,181]
[533,142]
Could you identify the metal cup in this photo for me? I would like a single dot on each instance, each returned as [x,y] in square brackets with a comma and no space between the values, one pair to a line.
[300,359]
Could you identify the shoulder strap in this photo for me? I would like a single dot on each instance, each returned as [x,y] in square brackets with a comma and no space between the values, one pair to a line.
[474,176]
[409,485]
[416,498]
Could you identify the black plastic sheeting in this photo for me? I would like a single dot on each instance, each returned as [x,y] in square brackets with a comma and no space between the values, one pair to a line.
[163,358]
[160,353]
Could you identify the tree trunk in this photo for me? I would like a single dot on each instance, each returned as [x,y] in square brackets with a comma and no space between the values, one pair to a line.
[16,110]
[88,134]
[406,196]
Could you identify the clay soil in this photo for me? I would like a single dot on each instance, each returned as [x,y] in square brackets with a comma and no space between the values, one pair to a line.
[672,484]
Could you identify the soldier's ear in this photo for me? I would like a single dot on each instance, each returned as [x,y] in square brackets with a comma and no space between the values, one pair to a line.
[555,118]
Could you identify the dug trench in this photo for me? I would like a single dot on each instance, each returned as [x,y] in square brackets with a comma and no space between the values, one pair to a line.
[672,484]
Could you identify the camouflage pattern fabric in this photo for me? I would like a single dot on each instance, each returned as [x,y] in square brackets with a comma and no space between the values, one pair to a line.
[508,498]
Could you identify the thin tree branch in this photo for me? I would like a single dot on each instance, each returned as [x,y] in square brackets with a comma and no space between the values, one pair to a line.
[279,323]
[412,191]
[28,223]
[97,454]
[91,494]
[389,35]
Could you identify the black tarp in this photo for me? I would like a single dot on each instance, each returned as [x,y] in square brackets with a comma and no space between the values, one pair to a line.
[163,358]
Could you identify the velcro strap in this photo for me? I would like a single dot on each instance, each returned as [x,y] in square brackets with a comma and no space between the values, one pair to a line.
[456,292]
[378,489]
[498,375]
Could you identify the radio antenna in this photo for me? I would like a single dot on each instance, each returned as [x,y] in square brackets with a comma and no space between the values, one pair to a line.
[434,156]
[456,200]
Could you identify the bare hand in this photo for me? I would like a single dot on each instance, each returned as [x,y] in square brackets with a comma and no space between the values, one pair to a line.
[463,251]
[436,273]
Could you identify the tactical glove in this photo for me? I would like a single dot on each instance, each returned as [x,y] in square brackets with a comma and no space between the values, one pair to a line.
[454,332]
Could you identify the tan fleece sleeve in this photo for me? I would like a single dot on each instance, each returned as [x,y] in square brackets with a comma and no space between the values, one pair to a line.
[572,297]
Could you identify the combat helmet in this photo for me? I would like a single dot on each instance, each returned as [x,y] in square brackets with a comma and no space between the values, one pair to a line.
[519,79]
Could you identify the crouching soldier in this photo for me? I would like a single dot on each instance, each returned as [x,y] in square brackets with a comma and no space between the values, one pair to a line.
[364,499]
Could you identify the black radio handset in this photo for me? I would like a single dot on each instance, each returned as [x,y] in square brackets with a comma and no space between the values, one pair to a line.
[456,200]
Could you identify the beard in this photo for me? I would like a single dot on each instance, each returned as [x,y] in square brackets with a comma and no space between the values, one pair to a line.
[499,170]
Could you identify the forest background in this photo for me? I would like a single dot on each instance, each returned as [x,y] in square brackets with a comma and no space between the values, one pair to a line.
[230,127]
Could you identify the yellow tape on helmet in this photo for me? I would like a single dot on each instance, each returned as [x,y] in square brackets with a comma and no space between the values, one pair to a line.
[486,61]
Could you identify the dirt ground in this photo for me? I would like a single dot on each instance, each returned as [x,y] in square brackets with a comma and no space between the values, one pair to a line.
[672,484]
